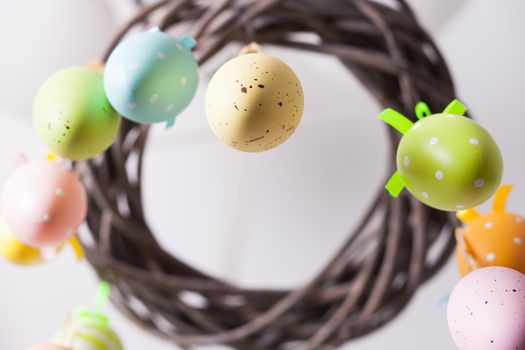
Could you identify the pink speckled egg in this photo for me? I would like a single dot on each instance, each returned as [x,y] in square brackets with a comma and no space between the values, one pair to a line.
[43,203]
[49,346]
[486,310]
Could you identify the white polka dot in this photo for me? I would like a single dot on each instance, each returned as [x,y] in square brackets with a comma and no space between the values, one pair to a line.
[406,161]
[439,175]
[460,206]
[518,219]
[161,55]
[60,192]
[131,106]
[183,80]
[179,46]
[433,140]
[169,107]
[488,225]
[473,141]
[134,66]
[46,218]
[491,256]
[425,195]
[479,183]
[153,98]
[416,125]
[517,240]
[451,116]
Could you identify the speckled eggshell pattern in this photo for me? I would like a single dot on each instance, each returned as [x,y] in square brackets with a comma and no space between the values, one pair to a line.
[72,115]
[496,238]
[151,77]
[449,162]
[254,102]
[43,204]
[486,310]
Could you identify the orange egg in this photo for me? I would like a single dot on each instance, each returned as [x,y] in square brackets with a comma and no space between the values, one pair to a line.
[493,239]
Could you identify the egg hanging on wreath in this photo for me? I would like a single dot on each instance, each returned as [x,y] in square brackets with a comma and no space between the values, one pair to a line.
[86,329]
[447,161]
[19,253]
[89,329]
[15,251]
[495,238]
[254,102]
[72,114]
[49,346]
[485,310]
[151,77]
[43,203]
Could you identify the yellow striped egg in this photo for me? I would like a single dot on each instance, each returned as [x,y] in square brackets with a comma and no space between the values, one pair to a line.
[88,333]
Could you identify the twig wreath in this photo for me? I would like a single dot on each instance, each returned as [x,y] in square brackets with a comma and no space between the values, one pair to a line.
[397,246]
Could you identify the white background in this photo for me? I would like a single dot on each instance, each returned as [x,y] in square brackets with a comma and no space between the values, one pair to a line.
[244,216]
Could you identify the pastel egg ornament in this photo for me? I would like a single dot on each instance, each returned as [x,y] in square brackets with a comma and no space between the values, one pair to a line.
[485,310]
[89,329]
[43,203]
[495,238]
[151,77]
[88,332]
[447,161]
[254,102]
[49,346]
[72,114]
[15,251]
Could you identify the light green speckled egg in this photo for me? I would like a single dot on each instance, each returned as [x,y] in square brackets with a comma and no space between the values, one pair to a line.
[72,115]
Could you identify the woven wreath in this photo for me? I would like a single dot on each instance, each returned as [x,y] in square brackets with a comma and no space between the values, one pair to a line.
[397,246]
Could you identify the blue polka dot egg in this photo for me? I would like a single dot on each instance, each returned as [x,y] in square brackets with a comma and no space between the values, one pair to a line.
[151,77]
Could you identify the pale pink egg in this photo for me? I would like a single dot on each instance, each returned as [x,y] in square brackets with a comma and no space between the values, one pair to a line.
[43,203]
[48,346]
[486,310]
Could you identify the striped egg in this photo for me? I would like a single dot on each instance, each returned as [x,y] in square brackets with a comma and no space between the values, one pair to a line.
[88,333]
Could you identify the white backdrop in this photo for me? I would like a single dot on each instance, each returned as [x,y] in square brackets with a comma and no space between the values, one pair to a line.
[237,215]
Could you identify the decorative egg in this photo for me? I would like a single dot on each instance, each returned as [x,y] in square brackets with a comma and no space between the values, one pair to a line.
[19,253]
[88,333]
[151,77]
[447,161]
[72,115]
[254,102]
[43,203]
[485,310]
[49,346]
[15,251]
[496,238]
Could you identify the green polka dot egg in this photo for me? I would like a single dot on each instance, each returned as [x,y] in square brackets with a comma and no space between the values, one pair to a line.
[447,161]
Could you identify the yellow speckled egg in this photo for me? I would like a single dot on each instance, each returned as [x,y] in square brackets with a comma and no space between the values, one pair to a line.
[254,102]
